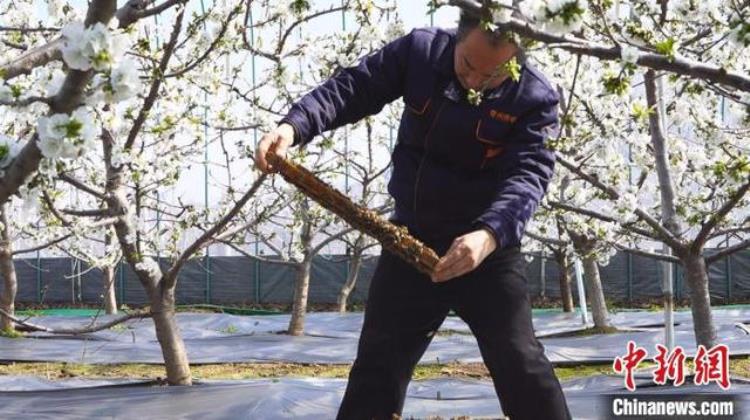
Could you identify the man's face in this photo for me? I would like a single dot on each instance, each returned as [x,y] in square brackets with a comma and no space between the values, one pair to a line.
[477,60]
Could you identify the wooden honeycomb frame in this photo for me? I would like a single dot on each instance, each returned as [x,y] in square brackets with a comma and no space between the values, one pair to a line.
[395,239]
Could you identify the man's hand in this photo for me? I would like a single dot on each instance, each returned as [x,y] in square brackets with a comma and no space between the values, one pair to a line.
[279,139]
[464,255]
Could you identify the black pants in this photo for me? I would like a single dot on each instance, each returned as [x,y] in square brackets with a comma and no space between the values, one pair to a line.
[405,309]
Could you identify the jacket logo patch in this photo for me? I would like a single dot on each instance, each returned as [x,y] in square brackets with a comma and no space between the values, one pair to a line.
[502,116]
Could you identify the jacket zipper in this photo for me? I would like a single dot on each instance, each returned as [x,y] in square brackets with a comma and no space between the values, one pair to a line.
[424,156]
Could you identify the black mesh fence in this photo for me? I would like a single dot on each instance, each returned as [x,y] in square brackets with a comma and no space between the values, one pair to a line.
[241,280]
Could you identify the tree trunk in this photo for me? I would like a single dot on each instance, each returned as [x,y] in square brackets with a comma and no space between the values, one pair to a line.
[170,340]
[595,292]
[696,275]
[667,192]
[8,271]
[299,308]
[302,283]
[161,297]
[351,280]
[110,300]
[566,292]
[542,274]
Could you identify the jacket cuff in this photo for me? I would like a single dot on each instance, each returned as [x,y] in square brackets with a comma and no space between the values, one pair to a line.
[297,122]
[497,225]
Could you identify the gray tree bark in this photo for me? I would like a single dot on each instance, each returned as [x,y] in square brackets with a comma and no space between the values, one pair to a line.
[159,289]
[695,266]
[110,300]
[592,281]
[170,340]
[696,274]
[351,279]
[8,270]
[299,307]
[595,292]
[302,283]
[566,292]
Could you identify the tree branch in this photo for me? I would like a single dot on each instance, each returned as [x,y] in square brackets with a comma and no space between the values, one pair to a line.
[81,186]
[87,212]
[718,216]
[663,234]
[647,254]
[171,277]
[602,217]
[67,99]
[727,251]
[257,257]
[101,223]
[544,239]
[77,331]
[31,59]
[573,44]
[153,92]
[27,101]
[135,10]
[219,36]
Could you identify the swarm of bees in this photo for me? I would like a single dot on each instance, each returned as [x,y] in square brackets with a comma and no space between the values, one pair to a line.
[395,239]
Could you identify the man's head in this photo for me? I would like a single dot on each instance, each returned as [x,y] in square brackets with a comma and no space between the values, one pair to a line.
[479,53]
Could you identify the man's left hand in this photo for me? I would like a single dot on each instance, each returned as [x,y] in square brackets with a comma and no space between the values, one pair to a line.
[464,255]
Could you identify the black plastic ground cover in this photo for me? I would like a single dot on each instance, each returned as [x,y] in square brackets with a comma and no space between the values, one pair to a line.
[309,398]
[332,338]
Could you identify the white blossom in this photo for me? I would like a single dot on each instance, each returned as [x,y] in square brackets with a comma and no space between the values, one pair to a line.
[502,11]
[66,136]
[394,29]
[654,6]
[534,9]
[627,203]
[280,8]
[9,149]
[740,35]
[150,266]
[106,48]
[56,79]
[72,51]
[55,8]
[6,94]
[556,16]
[93,47]
[554,6]
[125,80]
[691,8]
[207,36]
[30,197]
[371,37]
[629,54]
[122,83]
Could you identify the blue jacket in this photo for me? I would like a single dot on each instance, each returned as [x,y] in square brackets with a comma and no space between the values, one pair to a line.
[456,167]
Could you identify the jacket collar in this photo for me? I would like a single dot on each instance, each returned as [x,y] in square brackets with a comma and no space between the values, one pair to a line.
[444,63]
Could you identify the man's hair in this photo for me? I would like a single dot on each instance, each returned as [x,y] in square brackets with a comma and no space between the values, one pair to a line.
[468,21]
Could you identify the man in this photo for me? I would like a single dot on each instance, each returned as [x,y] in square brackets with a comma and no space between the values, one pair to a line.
[466,178]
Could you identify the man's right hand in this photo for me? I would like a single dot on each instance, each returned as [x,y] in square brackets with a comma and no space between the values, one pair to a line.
[278,140]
